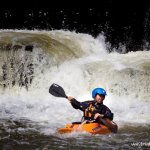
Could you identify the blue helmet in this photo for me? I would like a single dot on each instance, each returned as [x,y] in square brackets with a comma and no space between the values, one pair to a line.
[100,91]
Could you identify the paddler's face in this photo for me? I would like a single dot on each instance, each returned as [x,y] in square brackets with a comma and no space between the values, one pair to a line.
[99,98]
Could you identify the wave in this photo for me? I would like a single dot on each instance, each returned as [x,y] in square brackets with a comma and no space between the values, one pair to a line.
[32,60]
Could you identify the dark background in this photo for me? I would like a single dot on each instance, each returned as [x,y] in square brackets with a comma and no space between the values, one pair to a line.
[122,22]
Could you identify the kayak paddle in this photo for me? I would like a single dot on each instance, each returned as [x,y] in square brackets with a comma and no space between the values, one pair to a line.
[57,90]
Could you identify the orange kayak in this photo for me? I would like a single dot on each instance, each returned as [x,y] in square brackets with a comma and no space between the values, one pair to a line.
[93,128]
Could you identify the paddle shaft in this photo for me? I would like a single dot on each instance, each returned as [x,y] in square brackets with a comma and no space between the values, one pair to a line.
[110,124]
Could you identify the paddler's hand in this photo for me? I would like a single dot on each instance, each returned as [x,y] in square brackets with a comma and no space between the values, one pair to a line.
[69,98]
[97,115]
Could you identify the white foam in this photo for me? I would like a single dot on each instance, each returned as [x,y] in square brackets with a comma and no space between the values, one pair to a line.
[78,77]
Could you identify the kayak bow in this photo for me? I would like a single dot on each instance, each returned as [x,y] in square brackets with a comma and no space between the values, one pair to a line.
[93,128]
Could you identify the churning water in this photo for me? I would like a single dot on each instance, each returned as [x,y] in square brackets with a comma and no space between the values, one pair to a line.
[30,61]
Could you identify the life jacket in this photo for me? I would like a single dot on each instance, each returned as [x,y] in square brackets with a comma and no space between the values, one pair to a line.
[89,112]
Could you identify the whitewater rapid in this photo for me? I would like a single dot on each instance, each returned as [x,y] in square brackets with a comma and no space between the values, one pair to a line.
[79,63]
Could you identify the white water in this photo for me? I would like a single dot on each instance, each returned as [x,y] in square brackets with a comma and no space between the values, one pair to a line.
[124,76]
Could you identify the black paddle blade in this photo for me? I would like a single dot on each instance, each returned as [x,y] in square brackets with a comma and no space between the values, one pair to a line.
[57,91]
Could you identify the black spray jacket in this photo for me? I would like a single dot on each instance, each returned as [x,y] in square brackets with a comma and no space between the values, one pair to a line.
[90,108]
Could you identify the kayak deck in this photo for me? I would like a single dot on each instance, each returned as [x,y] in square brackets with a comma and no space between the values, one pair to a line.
[93,128]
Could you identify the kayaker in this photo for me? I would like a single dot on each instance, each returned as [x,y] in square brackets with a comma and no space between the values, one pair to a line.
[93,109]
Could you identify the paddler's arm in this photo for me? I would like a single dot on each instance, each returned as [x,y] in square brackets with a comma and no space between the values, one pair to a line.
[107,122]
[106,113]
[75,104]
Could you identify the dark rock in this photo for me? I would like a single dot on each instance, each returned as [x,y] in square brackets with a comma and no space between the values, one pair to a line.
[16,47]
[8,47]
[29,48]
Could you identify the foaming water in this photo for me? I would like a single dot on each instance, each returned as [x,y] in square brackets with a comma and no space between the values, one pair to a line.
[118,74]
[78,63]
